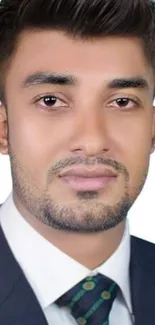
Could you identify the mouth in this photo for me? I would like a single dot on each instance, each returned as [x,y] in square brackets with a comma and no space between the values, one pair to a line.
[81,183]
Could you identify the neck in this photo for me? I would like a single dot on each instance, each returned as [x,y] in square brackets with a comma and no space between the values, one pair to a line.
[90,250]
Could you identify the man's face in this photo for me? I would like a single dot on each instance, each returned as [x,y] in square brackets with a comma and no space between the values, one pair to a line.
[86,119]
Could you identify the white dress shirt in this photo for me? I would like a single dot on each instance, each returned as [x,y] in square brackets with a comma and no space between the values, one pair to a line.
[51,273]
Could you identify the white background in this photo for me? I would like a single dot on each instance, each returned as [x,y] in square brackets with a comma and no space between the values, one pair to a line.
[141,216]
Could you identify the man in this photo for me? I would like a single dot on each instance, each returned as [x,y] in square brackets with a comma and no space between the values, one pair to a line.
[77,120]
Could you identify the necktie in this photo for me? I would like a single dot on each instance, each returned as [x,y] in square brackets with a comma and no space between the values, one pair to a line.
[90,301]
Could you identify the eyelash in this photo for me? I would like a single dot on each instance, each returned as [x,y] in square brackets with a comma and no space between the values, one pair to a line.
[43,97]
[135,102]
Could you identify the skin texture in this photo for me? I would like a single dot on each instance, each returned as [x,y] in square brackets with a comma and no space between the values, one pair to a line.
[85,126]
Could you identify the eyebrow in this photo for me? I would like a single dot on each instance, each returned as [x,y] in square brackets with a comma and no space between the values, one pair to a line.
[42,78]
[136,82]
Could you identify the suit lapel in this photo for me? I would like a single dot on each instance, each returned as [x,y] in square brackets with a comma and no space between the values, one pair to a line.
[18,304]
[142,273]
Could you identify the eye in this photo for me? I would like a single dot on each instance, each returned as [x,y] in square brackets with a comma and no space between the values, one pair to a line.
[50,101]
[124,103]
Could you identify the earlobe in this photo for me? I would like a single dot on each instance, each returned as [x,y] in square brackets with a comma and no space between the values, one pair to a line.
[153,132]
[3,131]
[153,146]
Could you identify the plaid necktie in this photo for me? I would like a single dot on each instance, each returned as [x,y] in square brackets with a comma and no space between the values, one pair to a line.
[90,301]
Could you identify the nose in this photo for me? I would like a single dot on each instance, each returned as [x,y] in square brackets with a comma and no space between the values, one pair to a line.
[90,135]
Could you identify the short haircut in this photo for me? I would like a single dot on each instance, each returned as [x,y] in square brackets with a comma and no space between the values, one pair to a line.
[85,19]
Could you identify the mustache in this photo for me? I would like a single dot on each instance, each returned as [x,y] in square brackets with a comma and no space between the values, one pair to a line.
[87,161]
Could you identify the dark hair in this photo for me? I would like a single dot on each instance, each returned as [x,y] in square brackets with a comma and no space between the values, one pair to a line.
[79,18]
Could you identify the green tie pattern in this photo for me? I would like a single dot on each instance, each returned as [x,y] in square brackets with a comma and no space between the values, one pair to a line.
[90,301]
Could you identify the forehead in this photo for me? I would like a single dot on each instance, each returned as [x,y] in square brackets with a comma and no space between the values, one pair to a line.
[104,58]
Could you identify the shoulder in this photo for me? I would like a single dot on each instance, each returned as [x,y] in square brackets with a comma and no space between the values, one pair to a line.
[143,253]
[143,246]
[142,243]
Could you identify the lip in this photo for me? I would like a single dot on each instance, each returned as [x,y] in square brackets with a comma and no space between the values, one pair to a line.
[87,183]
[82,179]
[88,172]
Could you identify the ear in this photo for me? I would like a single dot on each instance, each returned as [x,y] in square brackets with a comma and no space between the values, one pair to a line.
[3,130]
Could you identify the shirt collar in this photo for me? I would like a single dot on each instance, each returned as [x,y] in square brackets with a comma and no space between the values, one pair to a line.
[117,267]
[46,267]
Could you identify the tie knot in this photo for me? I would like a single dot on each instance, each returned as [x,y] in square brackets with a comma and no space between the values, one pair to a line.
[92,296]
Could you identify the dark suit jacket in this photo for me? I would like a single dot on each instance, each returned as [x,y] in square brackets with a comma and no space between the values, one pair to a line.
[19,306]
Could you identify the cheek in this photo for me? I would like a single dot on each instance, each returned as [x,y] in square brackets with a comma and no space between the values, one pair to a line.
[36,142]
[134,151]
[130,136]
[40,134]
